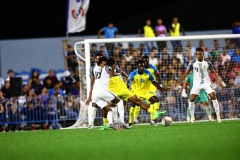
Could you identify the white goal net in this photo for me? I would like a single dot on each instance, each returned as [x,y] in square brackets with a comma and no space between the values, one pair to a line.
[170,55]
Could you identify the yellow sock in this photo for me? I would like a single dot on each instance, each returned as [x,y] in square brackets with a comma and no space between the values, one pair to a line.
[151,110]
[131,114]
[136,112]
[152,114]
[156,106]
[105,121]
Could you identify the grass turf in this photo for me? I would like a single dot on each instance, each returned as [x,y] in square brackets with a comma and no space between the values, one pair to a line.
[180,141]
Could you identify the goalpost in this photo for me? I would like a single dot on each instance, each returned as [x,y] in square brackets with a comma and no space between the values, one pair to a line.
[170,55]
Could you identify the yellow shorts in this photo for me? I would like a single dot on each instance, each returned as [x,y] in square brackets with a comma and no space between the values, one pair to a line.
[145,96]
[153,89]
[123,93]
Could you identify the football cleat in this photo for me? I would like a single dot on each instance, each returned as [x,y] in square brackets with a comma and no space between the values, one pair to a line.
[158,114]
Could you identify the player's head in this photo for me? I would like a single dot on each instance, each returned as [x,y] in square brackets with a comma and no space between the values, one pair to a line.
[97,56]
[146,60]
[140,66]
[111,62]
[199,54]
[102,61]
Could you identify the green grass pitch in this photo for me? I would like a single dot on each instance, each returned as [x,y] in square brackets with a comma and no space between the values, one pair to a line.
[180,141]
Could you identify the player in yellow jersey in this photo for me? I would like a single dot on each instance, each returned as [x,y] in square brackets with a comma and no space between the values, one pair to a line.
[141,81]
[154,102]
[118,87]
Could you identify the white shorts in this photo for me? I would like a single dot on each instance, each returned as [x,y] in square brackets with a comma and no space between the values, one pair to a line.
[103,97]
[206,87]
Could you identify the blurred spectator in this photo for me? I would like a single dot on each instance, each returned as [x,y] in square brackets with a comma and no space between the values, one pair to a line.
[236,56]
[143,50]
[104,50]
[190,48]
[67,82]
[160,31]
[236,30]
[33,81]
[152,58]
[10,74]
[148,33]
[50,80]
[110,31]
[93,52]
[117,55]
[175,29]
[224,56]
[215,51]
[6,89]
[71,58]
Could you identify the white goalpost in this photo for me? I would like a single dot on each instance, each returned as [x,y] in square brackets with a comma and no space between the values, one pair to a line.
[170,55]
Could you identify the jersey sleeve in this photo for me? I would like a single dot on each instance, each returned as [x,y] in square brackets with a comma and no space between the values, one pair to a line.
[210,66]
[131,77]
[155,69]
[151,78]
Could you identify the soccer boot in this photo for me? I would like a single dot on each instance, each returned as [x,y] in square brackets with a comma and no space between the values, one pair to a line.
[115,127]
[135,121]
[154,123]
[192,119]
[125,126]
[90,126]
[104,127]
[158,113]
[219,120]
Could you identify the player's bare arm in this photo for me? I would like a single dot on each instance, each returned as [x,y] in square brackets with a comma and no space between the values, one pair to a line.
[90,92]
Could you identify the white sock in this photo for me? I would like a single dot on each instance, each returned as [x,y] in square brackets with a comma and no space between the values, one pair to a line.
[92,115]
[120,108]
[115,114]
[110,117]
[191,106]
[216,107]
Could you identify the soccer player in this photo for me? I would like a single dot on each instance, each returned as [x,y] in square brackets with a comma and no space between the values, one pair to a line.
[200,68]
[99,92]
[202,96]
[140,82]
[153,102]
[117,86]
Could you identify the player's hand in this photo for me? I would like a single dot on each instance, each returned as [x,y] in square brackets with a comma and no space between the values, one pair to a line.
[184,94]
[220,83]
[88,101]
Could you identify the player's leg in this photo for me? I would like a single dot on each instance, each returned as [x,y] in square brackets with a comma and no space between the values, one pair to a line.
[137,101]
[204,100]
[92,115]
[213,97]
[120,108]
[154,102]
[194,93]
[115,114]
[136,113]
[105,121]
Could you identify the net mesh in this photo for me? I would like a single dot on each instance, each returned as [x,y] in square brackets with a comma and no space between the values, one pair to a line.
[171,57]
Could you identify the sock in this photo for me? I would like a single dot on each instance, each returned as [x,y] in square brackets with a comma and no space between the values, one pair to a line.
[191,107]
[208,110]
[216,107]
[105,121]
[152,114]
[188,113]
[120,107]
[151,110]
[92,115]
[110,117]
[136,112]
[131,114]
[115,114]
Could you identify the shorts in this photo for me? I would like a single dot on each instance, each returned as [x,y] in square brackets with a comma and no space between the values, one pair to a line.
[124,93]
[198,87]
[102,98]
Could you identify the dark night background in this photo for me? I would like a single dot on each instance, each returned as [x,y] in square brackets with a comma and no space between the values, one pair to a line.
[40,19]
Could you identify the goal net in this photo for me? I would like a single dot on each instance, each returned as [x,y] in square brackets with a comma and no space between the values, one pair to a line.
[171,55]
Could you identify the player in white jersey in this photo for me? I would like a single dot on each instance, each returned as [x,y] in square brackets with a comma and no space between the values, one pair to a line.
[201,68]
[99,92]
